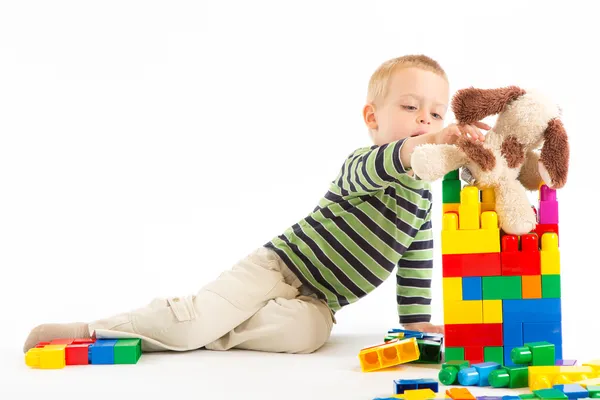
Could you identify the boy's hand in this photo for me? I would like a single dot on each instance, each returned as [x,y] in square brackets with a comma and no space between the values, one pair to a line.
[451,133]
[424,327]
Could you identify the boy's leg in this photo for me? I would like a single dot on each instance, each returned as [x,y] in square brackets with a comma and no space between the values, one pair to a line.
[300,325]
[191,322]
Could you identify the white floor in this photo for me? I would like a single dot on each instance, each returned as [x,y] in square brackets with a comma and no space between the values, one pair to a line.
[331,373]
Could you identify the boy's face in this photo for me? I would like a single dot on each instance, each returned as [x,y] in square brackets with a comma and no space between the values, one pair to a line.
[416,103]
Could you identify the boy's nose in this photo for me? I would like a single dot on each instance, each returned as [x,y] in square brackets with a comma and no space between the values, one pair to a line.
[424,120]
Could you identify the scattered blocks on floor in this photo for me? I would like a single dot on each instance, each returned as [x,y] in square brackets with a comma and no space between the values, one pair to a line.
[392,353]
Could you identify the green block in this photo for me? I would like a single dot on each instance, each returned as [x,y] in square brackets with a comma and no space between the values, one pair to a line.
[501,287]
[451,191]
[452,175]
[526,396]
[593,391]
[551,286]
[519,377]
[499,378]
[128,351]
[431,352]
[553,394]
[454,354]
[494,354]
[534,354]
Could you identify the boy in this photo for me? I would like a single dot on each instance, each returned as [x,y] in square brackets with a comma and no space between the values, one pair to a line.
[375,217]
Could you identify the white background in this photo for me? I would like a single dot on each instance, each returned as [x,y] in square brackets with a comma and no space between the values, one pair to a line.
[146,146]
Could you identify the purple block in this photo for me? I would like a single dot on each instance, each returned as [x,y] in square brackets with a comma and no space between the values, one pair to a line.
[566,363]
[548,212]
[489,398]
[547,194]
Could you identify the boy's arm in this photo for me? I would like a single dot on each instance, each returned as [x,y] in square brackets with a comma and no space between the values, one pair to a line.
[413,277]
[372,168]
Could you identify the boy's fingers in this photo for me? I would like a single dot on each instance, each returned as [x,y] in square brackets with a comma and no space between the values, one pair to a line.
[482,125]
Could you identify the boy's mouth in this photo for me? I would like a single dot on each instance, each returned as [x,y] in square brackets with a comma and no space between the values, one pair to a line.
[418,133]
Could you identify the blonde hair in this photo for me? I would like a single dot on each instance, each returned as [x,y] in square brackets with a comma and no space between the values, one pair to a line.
[378,84]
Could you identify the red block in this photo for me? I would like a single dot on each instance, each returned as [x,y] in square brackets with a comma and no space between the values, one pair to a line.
[77,354]
[81,341]
[473,335]
[540,229]
[62,341]
[474,354]
[483,264]
[523,261]
[42,344]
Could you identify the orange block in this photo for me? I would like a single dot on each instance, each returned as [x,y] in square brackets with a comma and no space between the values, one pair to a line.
[532,286]
[459,394]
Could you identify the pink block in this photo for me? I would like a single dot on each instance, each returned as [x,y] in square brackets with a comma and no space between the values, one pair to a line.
[548,212]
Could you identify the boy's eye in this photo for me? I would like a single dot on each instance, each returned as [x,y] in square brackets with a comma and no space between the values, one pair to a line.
[410,107]
[436,115]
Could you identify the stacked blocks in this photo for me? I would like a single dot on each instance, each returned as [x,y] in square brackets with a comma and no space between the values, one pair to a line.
[500,291]
[62,352]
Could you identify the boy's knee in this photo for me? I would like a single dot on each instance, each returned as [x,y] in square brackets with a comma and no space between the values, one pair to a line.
[309,328]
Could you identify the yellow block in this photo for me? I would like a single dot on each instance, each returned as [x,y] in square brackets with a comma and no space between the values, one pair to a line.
[488,200]
[492,311]
[550,254]
[463,312]
[469,209]
[546,377]
[389,354]
[450,207]
[595,364]
[452,288]
[484,240]
[589,382]
[51,356]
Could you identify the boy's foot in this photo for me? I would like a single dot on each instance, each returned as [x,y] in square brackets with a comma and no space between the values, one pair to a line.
[49,332]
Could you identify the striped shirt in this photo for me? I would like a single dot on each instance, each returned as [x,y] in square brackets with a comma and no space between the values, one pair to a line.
[373,219]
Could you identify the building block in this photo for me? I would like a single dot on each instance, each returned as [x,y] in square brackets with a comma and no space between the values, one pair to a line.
[488,200]
[451,190]
[508,362]
[493,354]
[527,396]
[77,354]
[509,377]
[450,207]
[456,353]
[550,394]
[463,312]
[572,390]
[103,351]
[448,375]
[402,385]
[459,394]
[389,354]
[513,333]
[544,332]
[531,310]
[476,264]
[595,364]
[550,254]
[463,335]
[452,289]
[51,356]
[520,258]
[471,288]
[508,397]
[127,351]
[535,354]
[474,354]
[532,286]
[593,391]
[469,209]
[492,311]
[484,240]
[548,206]
[501,287]
[477,374]
[551,286]
[418,394]
[430,350]
[545,377]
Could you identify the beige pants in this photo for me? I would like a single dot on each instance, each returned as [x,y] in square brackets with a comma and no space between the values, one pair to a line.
[259,304]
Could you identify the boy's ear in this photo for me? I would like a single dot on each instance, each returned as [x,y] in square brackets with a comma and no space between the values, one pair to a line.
[369,116]
[472,105]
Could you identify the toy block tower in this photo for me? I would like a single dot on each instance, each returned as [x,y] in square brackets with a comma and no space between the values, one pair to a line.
[501,291]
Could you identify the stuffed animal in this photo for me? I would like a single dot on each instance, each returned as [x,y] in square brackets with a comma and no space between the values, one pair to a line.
[509,160]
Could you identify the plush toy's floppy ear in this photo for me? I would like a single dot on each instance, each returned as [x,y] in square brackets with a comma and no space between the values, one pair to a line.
[554,158]
[472,105]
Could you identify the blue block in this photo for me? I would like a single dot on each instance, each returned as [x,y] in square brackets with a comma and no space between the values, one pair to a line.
[103,351]
[544,332]
[428,384]
[573,390]
[468,377]
[401,385]
[513,334]
[507,360]
[471,288]
[531,310]
[484,369]
[508,397]
[407,334]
